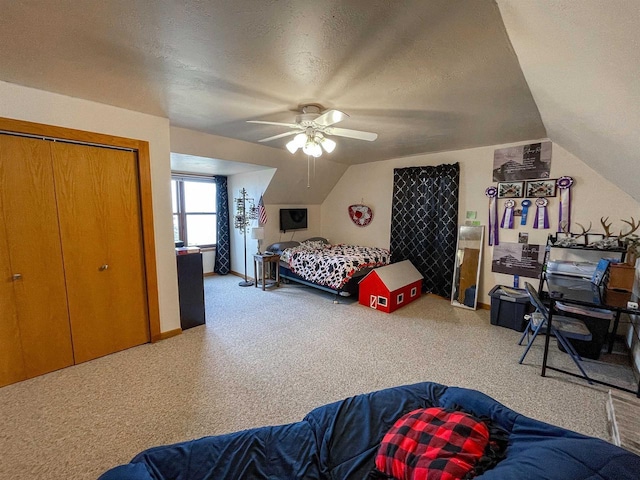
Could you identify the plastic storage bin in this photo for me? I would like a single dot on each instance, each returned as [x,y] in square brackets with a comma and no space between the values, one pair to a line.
[509,306]
[599,329]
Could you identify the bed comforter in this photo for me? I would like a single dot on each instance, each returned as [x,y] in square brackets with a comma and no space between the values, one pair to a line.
[339,441]
[332,265]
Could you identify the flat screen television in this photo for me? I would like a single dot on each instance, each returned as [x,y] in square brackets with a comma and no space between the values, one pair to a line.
[293,219]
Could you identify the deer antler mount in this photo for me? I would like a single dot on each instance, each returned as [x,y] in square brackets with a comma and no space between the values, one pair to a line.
[634,226]
[607,227]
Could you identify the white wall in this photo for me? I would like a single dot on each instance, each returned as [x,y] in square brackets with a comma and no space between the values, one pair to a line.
[593,197]
[255,183]
[272,230]
[32,105]
[290,177]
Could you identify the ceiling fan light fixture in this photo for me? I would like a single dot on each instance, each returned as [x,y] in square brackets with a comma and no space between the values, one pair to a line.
[300,139]
[292,146]
[328,144]
[317,151]
[312,148]
[298,142]
[310,128]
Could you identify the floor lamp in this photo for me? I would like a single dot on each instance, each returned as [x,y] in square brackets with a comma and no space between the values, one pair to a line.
[245,212]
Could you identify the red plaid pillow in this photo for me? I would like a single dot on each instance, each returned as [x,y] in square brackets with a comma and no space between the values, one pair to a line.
[432,444]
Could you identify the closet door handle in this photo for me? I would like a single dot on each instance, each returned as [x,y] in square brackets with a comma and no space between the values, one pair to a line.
[16,276]
[103,267]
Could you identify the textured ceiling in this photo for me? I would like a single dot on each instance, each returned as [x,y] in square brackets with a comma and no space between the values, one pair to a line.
[425,75]
[582,63]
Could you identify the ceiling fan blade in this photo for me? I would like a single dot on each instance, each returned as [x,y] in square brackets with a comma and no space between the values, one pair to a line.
[262,122]
[330,117]
[357,134]
[278,136]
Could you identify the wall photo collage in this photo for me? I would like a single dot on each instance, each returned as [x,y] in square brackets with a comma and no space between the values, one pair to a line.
[523,172]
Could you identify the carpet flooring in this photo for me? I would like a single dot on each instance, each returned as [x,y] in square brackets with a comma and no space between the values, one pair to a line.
[266,358]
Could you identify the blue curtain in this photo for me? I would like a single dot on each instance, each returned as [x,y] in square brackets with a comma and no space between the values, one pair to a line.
[424,222]
[222,264]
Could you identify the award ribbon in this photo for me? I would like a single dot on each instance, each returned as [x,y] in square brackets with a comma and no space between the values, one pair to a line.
[542,218]
[507,216]
[564,216]
[492,193]
[525,211]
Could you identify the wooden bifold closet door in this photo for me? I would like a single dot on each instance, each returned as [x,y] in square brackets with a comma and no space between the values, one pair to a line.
[71,255]
[100,227]
[34,285]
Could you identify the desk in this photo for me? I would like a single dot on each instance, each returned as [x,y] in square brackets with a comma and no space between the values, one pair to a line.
[580,291]
[263,259]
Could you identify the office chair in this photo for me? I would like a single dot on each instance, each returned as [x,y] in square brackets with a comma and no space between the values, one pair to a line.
[563,328]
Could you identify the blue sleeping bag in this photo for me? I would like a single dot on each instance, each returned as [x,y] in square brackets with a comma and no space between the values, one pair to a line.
[340,441]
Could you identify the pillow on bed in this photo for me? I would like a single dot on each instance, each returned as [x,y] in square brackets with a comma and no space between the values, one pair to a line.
[313,244]
[435,443]
[281,246]
[317,239]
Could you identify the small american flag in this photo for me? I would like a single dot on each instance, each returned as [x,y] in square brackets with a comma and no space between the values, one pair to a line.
[262,212]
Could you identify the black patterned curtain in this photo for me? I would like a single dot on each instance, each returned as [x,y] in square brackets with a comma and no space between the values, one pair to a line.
[222,263]
[424,222]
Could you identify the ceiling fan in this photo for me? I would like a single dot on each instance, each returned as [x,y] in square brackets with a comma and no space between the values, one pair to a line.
[311,129]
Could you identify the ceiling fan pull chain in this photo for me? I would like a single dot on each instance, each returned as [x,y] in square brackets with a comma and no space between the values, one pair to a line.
[308,171]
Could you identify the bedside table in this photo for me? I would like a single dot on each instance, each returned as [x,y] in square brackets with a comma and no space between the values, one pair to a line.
[264,261]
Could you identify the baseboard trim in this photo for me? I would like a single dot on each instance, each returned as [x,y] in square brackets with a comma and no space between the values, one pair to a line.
[484,306]
[208,274]
[241,275]
[167,334]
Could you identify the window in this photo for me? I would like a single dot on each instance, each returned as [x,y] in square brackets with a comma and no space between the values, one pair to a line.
[414,291]
[194,210]
[400,298]
[382,301]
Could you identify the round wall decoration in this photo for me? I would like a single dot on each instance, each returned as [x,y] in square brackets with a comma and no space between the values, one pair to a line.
[361,215]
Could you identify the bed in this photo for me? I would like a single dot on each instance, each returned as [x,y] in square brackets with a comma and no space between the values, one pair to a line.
[333,268]
[344,441]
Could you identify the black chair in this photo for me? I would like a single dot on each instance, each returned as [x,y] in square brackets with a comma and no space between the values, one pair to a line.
[563,328]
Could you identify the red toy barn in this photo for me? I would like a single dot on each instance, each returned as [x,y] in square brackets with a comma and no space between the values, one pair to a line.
[390,287]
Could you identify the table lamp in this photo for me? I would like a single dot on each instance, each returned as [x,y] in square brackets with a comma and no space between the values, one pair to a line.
[257,233]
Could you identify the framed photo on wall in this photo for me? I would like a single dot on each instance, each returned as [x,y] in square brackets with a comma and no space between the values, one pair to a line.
[510,189]
[541,188]
[522,162]
[522,259]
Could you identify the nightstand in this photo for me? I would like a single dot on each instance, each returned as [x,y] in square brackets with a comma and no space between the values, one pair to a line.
[266,260]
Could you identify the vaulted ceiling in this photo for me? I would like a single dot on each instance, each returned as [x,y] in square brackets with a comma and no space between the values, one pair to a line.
[426,75]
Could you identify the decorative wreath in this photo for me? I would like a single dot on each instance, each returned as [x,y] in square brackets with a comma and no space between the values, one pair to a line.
[361,215]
